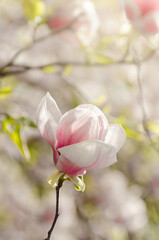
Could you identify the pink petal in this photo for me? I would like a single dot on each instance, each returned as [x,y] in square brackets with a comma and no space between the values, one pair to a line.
[116,136]
[85,19]
[103,122]
[75,126]
[147,6]
[48,116]
[66,166]
[144,14]
[58,22]
[150,23]
[63,16]
[132,9]
[87,155]
[80,124]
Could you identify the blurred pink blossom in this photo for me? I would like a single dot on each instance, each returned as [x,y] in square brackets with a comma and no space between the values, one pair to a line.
[81,139]
[85,18]
[144,14]
[123,204]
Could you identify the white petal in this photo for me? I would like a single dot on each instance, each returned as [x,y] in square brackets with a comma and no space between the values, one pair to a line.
[102,119]
[77,125]
[48,116]
[116,136]
[87,155]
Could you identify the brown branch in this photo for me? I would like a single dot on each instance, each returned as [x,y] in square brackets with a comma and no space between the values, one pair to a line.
[22,68]
[60,183]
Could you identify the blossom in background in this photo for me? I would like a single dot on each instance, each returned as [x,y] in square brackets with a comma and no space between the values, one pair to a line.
[122,205]
[85,18]
[81,139]
[144,14]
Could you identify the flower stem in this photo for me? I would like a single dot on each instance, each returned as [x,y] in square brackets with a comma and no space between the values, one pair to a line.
[60,183]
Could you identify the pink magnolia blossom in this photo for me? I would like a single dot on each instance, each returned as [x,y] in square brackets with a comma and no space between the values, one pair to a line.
[81,139]
[144,14]
[85,18]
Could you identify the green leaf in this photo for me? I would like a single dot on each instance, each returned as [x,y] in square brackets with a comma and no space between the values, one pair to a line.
[49,69]
[132,134]
[153,211]
[104,44]
[68,70]
[131,131]
[4,91]
[153,127]
[98,58]
[103,59]
[13,129]
[101,102]
[33,8]
[27,122]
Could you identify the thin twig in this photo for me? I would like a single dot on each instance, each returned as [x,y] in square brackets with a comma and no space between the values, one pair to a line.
[29,45]
[60,183]
[23,67]
[141,95]
[130,236]
[142,103]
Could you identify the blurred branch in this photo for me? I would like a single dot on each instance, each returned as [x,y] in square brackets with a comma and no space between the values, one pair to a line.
[22,68]
[142,100]
[130,236]
[29,45]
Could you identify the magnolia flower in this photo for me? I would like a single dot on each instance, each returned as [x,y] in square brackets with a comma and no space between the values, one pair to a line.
[85,18]
[81,139]
[144,14]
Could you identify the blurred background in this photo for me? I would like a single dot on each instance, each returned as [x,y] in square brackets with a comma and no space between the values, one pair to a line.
[98,57]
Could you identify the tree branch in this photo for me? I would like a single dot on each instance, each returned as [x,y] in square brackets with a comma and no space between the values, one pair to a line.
[60,183]
[29,45]
[22,68]
[142,103]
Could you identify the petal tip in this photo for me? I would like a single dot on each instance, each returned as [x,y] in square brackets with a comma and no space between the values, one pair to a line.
[48,95]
